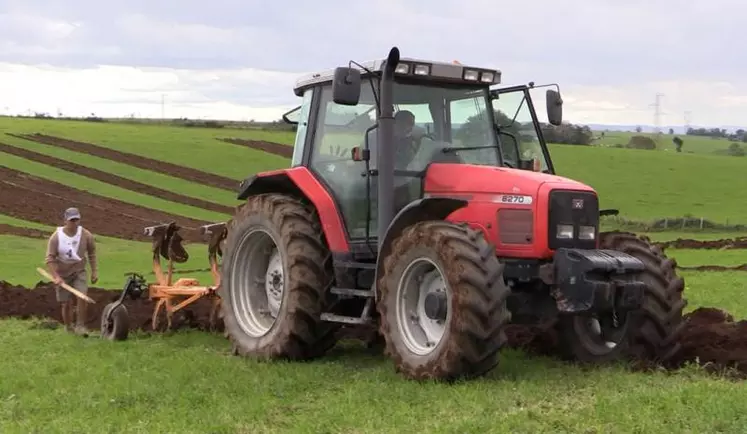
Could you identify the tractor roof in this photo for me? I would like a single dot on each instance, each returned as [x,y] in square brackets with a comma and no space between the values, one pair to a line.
[453,72]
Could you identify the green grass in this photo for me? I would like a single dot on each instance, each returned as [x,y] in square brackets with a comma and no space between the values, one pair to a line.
[95,187]
[148,177]
[645,185]
[8,220]
[191,147]
[187,382]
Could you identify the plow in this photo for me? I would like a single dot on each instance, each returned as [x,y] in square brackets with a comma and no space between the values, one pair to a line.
[170,296]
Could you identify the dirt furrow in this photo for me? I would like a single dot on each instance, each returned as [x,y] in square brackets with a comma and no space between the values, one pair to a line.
[269,147]
[182,172]
[22,232]
[114,179]
[31,198]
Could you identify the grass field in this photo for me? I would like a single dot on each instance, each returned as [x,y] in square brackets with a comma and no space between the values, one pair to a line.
[188,381]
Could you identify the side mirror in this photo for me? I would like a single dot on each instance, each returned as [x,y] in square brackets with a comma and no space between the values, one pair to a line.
[554,107]
[346,87]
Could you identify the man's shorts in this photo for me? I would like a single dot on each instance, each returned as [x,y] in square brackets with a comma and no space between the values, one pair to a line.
[77,281]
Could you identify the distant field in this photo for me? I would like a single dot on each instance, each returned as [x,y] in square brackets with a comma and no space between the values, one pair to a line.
[692,144]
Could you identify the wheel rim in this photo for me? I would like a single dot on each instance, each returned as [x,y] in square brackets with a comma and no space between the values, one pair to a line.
[420,333]
[257,282]
[601,335]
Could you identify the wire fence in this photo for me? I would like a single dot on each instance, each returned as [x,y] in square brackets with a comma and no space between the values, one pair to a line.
[687,223]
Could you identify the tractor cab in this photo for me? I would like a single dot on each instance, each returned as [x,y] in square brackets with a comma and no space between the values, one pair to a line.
[443,113]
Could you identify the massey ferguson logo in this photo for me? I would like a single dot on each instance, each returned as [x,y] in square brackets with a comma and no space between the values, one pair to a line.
[577,204]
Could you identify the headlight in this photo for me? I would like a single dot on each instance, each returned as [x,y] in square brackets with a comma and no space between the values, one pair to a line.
[586,232]
[565,232]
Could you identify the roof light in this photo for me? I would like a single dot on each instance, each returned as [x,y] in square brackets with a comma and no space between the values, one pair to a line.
[422,70]
[402,68]
[470,74]
[487,77]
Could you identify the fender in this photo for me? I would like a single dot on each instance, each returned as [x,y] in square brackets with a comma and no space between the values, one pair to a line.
[429,208]
[300,182]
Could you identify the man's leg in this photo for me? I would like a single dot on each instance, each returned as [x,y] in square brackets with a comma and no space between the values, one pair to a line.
[63,297]
[81,284]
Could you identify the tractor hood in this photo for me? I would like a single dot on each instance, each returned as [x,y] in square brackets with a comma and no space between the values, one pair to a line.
[470,178]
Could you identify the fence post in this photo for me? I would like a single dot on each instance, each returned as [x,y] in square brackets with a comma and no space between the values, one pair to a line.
[701,223]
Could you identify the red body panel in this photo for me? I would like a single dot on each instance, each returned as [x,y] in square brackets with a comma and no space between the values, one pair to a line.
[332,223]
[481,185]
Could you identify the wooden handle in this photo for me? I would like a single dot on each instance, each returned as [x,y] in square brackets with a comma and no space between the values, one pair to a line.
[64,285]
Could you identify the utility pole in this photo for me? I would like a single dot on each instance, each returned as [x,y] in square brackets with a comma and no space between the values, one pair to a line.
[657,113]
[163,106]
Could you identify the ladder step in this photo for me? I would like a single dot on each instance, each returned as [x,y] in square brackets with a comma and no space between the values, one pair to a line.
[353,264]
[331,317]
[366,293]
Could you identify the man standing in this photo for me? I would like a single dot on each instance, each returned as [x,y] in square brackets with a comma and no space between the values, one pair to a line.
[66,260]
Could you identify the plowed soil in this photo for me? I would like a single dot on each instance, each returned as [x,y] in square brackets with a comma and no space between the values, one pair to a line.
[711,337]
[186,173]
[22,232]
[269,147]
[43,201]
[114,179]
[687,243]
[40,302]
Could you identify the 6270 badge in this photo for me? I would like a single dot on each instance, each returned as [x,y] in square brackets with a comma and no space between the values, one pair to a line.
[514,199]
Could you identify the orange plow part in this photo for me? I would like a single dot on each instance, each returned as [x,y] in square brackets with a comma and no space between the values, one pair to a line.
[170,296]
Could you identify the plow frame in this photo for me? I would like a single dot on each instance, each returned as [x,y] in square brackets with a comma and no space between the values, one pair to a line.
[172,296]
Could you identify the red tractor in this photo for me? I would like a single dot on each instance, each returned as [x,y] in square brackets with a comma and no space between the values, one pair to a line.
[437,225]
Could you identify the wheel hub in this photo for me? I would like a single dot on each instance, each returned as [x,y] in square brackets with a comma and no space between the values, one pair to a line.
[435,306]
[422,306]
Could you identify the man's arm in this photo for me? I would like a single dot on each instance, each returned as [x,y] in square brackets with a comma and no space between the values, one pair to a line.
[51,256]
[92,259]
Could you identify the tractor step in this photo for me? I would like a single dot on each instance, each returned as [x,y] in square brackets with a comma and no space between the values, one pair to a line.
[331,317]
[365,293]
[365,317]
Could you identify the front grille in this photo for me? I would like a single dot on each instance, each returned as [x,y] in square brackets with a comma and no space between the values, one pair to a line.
[572,208]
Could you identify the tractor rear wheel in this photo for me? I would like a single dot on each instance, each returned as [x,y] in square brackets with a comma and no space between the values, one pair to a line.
[442,302]
[275,271]
[649,333]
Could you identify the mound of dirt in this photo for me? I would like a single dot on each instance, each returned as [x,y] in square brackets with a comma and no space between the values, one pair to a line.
[40,302]
[711,338]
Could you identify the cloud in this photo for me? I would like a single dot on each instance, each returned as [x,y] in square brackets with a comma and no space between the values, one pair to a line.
[610,58]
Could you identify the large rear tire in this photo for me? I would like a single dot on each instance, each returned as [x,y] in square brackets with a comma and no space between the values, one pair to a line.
[275,272]
[458,332]
[650,333]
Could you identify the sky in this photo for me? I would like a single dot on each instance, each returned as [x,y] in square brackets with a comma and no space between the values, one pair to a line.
[239,59]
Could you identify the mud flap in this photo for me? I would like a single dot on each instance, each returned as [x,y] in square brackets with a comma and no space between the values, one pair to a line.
[589,281]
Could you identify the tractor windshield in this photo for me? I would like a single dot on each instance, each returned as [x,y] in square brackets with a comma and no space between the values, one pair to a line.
[515,123]
[442,123]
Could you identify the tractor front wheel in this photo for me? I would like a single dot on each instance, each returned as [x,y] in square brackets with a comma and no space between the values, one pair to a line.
[275,271]
[649,333]
[442,302]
